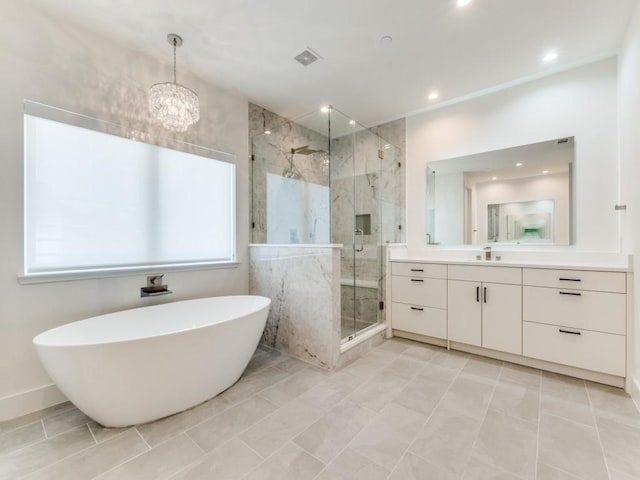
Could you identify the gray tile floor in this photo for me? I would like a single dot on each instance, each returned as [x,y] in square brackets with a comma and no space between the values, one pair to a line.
[404,411]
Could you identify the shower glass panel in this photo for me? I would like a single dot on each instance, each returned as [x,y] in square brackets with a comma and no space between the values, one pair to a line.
[324,178]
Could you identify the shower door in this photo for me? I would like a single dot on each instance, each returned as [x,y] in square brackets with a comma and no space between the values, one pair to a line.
[365,212]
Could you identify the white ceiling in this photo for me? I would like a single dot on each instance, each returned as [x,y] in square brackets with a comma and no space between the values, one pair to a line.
[248,46]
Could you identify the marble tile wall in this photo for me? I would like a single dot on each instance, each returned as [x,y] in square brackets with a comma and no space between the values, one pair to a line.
[303,283]
[309,223]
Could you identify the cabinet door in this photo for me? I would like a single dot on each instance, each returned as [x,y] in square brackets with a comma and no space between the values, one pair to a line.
[465,312]
[502,317]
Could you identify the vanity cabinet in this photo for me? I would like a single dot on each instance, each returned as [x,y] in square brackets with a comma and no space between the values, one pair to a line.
[419,298]
[486,313]
[565,320]
[576,318]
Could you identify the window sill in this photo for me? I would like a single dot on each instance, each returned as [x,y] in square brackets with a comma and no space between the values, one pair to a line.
[68,276]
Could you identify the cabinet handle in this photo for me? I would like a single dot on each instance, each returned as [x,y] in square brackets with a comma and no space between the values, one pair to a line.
[416,280]
[478,294]
[417,270]
[569,332]
[569,279]
[574,294]
[485,294]
[419,309]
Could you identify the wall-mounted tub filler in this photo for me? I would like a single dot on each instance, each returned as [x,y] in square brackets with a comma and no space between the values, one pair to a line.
[155,286]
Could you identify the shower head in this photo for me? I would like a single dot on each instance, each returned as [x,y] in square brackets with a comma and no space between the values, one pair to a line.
[305,150]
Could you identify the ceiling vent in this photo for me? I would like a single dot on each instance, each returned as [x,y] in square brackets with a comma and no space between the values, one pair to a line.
[307,57]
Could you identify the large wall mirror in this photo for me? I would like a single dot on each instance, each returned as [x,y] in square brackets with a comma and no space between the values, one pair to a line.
[519,195]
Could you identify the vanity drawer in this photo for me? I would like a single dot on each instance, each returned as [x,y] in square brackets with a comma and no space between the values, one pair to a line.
[483,273]
[431,270]
[431,322]
[600,352]
[600,311]
[614,282]
[430,292]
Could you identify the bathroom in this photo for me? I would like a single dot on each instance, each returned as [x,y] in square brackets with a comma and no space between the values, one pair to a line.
[56,57]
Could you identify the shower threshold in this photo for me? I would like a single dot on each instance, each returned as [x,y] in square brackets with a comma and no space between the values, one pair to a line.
[361,335]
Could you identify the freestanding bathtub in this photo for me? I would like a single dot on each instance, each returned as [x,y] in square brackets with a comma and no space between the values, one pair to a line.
[139,365]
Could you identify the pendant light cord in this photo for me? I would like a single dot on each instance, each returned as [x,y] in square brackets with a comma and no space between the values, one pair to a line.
[175,41]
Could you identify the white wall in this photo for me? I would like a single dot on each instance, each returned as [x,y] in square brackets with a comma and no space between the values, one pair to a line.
[449,214]
[581,102]
[629,103]
[48,61]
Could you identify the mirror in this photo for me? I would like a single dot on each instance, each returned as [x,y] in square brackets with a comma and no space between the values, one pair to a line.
[519,195]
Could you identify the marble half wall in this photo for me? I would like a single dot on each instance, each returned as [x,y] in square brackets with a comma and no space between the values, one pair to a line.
[303,283]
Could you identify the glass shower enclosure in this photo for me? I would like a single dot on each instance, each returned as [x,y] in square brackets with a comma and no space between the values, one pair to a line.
[325,179]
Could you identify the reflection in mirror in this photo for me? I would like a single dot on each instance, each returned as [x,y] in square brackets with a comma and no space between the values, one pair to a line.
[520,195]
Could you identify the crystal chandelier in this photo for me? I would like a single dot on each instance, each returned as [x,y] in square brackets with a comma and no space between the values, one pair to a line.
[176,106]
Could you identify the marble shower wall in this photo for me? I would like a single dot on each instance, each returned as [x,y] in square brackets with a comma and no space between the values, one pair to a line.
[288,210]
[303,283]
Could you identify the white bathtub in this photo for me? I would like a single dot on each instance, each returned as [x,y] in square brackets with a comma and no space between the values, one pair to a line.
[139,365]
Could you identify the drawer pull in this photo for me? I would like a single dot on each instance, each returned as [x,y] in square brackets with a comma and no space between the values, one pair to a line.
[569,332]
[416,280]
[417,270]
[478,294]
[574,294]
[419,309]
[569,279]
[485,294]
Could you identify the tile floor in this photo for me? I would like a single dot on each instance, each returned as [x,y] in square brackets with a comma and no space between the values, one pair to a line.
[404,411]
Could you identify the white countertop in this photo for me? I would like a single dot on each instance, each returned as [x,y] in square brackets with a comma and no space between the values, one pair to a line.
[569,265]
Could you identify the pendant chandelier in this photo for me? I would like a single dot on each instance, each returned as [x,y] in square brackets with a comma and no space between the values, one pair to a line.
[176,106]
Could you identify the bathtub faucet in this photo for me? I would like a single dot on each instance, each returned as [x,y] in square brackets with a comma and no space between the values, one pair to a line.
[155,286]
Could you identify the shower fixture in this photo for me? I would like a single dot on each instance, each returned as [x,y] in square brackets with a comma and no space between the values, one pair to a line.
[291,171]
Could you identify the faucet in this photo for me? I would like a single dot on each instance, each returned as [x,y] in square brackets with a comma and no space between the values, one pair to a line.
[428,239]
[155,286]
[487,253]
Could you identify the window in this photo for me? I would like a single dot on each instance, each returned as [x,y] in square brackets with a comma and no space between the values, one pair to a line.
[96,201]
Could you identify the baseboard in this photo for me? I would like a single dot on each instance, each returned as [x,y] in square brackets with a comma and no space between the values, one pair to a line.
[20,404]
[597,377]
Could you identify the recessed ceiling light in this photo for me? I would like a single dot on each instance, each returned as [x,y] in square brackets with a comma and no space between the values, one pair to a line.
[352,122]
[434,95]
[519,164]
[545,171]
[267,132]
[463,3]
[550,56]
[324,109]
[494,178]
[386,40]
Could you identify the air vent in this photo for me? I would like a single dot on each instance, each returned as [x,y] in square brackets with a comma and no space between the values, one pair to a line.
[307,57]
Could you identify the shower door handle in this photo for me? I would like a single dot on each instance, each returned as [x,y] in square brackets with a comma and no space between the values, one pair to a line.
[361,232]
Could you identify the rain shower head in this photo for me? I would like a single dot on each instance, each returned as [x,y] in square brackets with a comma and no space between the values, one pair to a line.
[305,150]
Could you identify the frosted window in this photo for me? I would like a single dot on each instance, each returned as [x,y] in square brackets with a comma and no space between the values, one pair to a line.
[96,201]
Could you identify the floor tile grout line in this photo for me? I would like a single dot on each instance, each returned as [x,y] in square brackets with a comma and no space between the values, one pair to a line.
[97,444]
[143,439]
[202,450]
[484,418]
[59,460]
[595,422]
[538,431]
[46,436]
[129,459]
[42,440]
[92,435]
[407,450]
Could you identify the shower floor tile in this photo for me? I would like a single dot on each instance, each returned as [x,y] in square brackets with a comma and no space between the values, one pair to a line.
[404,410]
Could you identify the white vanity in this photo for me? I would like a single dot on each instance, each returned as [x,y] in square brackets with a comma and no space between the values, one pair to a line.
[563,318]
